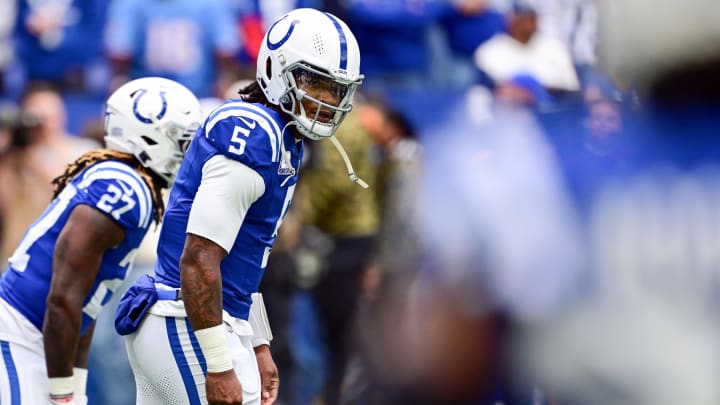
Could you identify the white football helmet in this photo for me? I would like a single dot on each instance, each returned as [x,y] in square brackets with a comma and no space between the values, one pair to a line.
[153,119]
[307,48]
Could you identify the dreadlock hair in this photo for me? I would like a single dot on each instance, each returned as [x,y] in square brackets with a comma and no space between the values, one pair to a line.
[93,156]
[253,93]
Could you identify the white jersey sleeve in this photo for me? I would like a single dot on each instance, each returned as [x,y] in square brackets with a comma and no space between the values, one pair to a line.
[227,190]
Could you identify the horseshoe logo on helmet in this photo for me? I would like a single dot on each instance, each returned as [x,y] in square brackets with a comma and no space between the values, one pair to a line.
[275,45]
[139,116]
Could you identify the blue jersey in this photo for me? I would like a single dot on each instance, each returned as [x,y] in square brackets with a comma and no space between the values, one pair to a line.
[253,135]
[111,187]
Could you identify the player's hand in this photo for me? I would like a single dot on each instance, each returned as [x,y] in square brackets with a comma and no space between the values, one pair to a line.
[223,388]
[269,379]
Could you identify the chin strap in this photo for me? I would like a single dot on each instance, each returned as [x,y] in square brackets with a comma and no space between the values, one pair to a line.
[351,172]
[345,157]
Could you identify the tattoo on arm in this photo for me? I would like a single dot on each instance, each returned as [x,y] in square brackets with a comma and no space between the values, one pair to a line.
[201,281]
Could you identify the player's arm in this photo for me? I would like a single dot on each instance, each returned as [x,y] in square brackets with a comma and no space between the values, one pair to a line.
[76,262]
[80,371]
[83,348]
[226,191]
[202,294]
[202,282]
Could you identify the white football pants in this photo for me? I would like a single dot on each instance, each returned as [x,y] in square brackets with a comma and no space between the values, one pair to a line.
[23,375]
[169,366]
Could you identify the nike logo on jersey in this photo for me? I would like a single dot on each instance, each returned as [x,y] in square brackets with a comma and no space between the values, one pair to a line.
[248,123]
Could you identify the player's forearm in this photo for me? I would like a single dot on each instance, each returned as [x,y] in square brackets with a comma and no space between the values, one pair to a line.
[202,294]
[201,283]
[61,332]
[75,266]
[83,347]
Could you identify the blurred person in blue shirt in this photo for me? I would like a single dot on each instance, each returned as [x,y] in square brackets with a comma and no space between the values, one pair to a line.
[402,59]
[191,41]
[467,24]
[60,41]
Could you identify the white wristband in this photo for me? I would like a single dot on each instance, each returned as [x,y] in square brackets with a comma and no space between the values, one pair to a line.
[80,375]
[213,343]
[61,390]
[262,334]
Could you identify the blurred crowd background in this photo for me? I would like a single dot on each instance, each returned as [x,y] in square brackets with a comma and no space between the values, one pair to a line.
[543,219]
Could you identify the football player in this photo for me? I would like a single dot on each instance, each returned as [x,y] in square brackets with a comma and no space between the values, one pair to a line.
[78,251]
[203,338]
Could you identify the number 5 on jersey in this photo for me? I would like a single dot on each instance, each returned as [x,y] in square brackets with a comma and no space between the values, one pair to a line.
[237,144]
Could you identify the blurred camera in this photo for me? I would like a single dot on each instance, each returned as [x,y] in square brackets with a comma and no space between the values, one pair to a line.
[19,124]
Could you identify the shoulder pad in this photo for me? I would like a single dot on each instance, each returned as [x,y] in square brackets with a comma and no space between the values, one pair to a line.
[117,190]
[245,132]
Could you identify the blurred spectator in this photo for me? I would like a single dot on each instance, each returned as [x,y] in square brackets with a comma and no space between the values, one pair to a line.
[8,11]
[398,156]
[351,228]
[523,90]
[397,150]
[60,41]
[402,59]
[604,124]
[397,187]
[499,249]
[572,22]
[467,24]
[40,150]
[191,41]
[595,147]
[12,124]
[524,50]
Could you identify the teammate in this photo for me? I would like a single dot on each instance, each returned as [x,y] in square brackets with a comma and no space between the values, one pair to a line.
[196,343]
[78,252]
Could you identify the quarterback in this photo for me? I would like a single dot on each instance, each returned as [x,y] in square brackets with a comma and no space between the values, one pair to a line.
[196,331]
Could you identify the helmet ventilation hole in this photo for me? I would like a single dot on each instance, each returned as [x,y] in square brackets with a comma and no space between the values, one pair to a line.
[318,43]
[144,157]
[148,140]
[268,67]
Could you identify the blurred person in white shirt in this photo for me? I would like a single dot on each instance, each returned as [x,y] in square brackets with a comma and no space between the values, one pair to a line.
[525,50]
